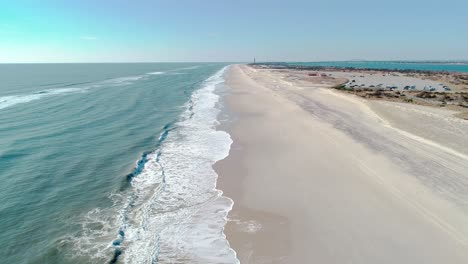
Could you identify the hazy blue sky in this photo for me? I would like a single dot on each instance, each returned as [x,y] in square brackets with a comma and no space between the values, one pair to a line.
[237,30]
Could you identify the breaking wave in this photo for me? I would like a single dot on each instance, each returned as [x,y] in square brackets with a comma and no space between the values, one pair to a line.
[11,100]
[170,210]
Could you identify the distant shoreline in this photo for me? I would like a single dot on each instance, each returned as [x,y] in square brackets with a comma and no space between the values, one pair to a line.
[447,62]
[281,65]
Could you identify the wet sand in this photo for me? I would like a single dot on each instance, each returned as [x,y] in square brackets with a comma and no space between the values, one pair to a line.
[322,177]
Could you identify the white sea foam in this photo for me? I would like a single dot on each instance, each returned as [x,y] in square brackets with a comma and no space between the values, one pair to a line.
[121,81]
[156,73]
[190,68]
[7,101]
[182,214]
[172,213]
[174,72]
[11,100]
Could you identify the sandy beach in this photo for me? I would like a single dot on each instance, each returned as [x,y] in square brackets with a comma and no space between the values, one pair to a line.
[319,176]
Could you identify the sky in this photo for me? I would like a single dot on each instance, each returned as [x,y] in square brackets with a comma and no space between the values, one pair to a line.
[231,30]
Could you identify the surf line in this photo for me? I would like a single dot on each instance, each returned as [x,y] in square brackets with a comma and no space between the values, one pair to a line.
[140,165]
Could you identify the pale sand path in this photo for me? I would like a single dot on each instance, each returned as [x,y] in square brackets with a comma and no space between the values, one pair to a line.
[318,177]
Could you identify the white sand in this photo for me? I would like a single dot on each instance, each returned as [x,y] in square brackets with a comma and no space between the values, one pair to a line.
[319,177]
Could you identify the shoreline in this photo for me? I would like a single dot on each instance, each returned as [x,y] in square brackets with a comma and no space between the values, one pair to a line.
[293,204]
[243,223]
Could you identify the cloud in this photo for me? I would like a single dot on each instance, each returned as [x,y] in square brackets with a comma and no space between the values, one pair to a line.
[88,37]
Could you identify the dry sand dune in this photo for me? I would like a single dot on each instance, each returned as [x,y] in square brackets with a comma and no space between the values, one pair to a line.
[323,177]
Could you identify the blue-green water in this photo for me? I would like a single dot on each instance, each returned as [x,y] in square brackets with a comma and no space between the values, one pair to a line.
[423,66]
[102,163]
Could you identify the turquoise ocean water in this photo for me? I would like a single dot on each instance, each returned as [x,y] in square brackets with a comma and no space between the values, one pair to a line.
[424,66]
[111,163]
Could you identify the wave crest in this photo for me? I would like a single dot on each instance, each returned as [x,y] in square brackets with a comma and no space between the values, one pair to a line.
[171,210]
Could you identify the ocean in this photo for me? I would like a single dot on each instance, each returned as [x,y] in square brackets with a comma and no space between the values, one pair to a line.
[112,163]
[398,65]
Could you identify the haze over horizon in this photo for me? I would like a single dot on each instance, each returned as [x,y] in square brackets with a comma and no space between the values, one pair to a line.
[213,31]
